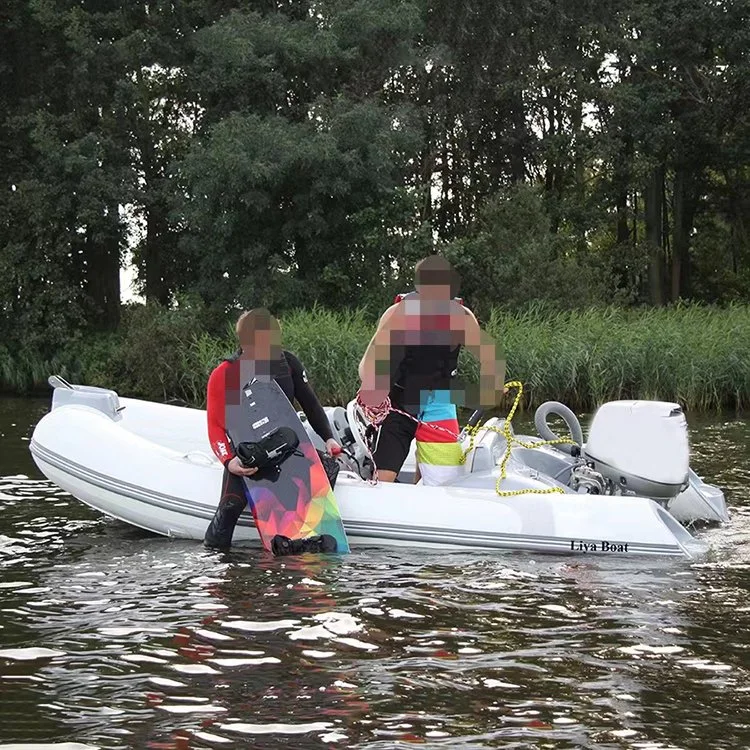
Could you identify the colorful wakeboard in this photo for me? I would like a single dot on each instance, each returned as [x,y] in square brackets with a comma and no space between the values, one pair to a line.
[292,498]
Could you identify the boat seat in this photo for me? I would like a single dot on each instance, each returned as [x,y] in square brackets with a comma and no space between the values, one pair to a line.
[489,447]
[101,399]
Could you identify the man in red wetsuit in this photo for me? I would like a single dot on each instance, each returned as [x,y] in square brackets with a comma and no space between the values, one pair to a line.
[260,355]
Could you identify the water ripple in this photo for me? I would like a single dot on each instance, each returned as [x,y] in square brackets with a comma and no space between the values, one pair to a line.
[113,638]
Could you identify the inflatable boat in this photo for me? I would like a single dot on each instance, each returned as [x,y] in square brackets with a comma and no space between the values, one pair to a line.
[628,490]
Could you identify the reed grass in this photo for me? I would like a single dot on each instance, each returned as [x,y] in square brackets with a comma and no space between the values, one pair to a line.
[695,355]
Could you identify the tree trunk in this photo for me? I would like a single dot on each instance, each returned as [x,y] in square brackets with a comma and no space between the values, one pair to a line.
[684,213]
[155,255]
[739,236]
[665,242]
[652,196]
[554,175]
[621,180]
[517,161]
[577,132]
[444,208]
[427,156]
[623,230]
[103,272]
[111,272]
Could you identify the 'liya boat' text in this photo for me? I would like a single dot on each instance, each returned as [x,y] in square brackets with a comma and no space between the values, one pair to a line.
[577,545]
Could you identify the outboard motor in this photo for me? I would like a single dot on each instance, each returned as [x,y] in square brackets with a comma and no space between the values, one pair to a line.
[641,447]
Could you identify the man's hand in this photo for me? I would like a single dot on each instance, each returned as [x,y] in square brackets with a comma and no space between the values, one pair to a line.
[236,468]
[333,447]
[372,396]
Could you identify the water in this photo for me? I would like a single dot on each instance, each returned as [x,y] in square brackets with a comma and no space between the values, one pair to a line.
[114,638]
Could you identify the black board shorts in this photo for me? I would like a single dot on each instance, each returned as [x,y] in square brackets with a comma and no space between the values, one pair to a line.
[393,441]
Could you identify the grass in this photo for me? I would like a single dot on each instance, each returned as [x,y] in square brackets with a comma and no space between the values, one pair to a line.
[689,354]
[695,355]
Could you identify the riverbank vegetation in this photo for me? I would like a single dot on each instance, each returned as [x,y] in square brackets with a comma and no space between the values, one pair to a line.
[302,156]
[690,354]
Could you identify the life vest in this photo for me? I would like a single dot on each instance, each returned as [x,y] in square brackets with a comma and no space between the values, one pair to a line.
[418,368]
[404,295]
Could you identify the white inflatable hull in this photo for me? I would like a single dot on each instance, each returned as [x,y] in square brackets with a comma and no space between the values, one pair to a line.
[152,467]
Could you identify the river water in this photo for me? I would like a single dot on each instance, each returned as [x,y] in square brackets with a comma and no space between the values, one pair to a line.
[115,638]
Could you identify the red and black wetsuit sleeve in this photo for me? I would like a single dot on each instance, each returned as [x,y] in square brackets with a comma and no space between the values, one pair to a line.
[306,396]
[216,403]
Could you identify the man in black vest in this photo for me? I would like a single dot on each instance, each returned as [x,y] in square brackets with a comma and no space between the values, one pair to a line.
[415,351]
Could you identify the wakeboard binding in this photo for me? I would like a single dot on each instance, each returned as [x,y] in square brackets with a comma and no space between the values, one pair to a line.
[283,545]
[269,452]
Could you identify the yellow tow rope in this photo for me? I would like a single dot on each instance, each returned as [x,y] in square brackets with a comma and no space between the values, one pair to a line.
[509,441]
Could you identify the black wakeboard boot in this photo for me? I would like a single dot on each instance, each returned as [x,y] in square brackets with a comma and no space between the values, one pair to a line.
[220,530]
[283,545]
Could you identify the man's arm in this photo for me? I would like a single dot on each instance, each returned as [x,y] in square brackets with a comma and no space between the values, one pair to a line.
[215,406]
[375,365]
[381,335]
[308,399]
[491,363]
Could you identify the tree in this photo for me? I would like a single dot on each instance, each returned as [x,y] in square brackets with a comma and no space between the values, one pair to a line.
[300,158]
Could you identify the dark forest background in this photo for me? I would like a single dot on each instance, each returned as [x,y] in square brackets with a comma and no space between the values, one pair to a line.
[293,154]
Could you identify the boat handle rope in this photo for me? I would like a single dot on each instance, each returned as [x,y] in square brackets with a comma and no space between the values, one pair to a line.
[376,416]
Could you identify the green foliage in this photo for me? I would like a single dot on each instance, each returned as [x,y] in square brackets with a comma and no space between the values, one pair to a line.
[510,258]
[306,155]
[688,353]
[331,345]
[297,178]
[150,359]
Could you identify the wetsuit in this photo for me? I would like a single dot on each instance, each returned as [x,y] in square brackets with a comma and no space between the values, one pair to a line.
[223,389]
[416,369]
[224,386]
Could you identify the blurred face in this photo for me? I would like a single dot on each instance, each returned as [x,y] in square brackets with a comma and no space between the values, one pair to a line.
[437,291]
[259,335]
[436,279]
[264,342]
[263,345]
[261,351]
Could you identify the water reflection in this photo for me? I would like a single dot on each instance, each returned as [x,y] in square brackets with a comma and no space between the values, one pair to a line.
[114,638]
[382,647]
